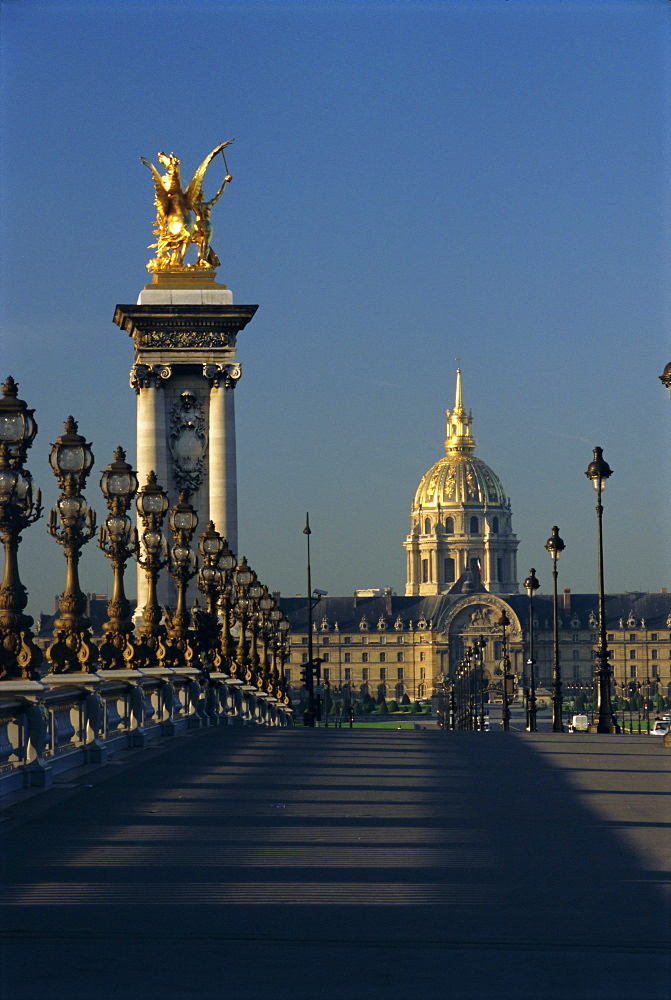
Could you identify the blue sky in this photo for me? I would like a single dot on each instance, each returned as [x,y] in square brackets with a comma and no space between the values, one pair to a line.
[413,182]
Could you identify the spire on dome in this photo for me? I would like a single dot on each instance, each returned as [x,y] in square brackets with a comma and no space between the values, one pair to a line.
[459,438]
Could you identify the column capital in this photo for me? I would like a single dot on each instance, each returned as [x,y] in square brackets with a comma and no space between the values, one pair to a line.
[148,376]
[227,374]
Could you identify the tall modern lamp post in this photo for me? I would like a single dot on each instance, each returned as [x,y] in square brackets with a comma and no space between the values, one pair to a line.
[600,472]
[531,585]
[555,546]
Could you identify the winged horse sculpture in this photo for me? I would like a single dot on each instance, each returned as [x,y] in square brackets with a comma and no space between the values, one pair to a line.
[183,216]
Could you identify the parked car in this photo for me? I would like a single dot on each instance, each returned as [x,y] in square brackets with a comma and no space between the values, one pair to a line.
[660,728]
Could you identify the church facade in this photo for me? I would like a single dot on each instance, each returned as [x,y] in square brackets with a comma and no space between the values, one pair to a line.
[461,585]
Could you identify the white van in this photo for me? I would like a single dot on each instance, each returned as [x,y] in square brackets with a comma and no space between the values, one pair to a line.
[578,724]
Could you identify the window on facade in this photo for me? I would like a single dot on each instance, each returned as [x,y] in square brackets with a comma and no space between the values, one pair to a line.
[421,656]
[449,571]
[576,673]
[304,657]
[347,640]
[348,673]
[364,674]
[325,640]
[611,637]
[499,570]
[653,670]
[383,657]
[348,657]
[399,673]
[495,526]
[421,691]
[364,640]
[475,526]
[325,657]
[399,657]
[632,654]
[383,673]
[427,526]
[653,654]
[653,637]
[327,673]
[399,638]
[364,657]
[576,654]
[632,670]
[399,691]
[425,570]
[304,640]
[449,525]
[576,637]
[632,637]
[422,672]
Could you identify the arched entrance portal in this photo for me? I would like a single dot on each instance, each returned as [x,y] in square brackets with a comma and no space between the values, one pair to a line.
[477,618]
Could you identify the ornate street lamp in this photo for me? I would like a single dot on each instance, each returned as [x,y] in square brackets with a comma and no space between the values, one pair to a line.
[19,656]
[210,582]
[71,459]
[226,566]
[531,585]
[183,565]
[480,645]
[152,505]
[119,542]
[504,621]
[665,377]
[600,472]
[242,578]
[555,546]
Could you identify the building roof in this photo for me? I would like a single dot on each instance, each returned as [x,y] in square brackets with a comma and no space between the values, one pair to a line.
[389,612]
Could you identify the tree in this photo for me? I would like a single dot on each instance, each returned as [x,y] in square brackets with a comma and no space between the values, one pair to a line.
[392,706]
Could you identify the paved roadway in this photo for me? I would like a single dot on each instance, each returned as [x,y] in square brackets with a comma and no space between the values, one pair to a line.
[264,865]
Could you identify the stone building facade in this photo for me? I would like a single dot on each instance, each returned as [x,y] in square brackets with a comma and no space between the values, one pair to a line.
[391,646]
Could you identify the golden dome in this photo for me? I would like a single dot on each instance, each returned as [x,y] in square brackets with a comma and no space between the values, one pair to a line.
[459,479]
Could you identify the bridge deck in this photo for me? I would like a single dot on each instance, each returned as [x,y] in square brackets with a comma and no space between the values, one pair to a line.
[253,865]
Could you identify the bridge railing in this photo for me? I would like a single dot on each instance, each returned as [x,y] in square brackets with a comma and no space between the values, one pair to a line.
[64,721]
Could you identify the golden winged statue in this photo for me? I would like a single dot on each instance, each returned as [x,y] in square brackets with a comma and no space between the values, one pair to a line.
[183,216]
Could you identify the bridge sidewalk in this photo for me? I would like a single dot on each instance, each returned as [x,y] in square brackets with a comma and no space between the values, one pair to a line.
[252,865]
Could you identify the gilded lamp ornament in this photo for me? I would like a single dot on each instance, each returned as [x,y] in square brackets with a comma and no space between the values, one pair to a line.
[19,656]
[72,523]
[183,214]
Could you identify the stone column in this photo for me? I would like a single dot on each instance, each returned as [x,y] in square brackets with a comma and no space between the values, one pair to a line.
[223,498]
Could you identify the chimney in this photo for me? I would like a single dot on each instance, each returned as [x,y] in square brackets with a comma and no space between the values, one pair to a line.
[355,598]
[387,600]
[567,598]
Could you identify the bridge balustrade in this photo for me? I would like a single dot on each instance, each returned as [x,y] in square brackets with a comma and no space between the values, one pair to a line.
[65,721]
